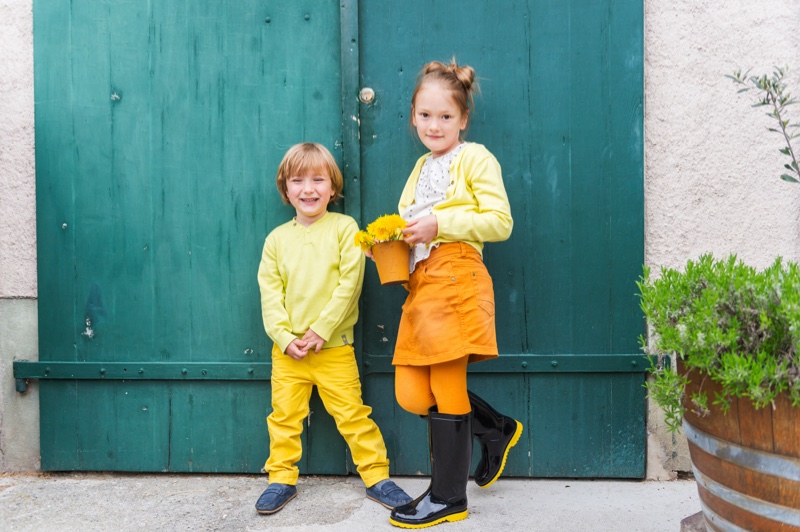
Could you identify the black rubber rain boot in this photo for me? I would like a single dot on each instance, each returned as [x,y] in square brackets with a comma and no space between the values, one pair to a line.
[496,435]
[451,457]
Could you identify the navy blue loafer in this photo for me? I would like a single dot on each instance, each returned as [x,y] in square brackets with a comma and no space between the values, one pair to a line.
[275,497]
[388,494]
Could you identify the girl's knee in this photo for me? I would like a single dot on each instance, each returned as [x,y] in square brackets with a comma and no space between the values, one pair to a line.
[414,404]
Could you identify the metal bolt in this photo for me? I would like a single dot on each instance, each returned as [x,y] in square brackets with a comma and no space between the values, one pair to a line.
[366,95]
[102,371]
[184,371]
[554,363]
[524,364]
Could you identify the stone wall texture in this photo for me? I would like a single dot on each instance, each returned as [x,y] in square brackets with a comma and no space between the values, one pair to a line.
[17,174]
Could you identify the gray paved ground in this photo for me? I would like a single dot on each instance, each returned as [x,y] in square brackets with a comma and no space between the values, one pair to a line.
[113,501]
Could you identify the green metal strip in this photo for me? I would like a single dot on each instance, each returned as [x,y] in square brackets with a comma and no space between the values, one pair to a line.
[351,147]
[261,371]
[179,371]
[507,363]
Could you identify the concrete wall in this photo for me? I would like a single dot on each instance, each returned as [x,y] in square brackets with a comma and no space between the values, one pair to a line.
[711,169]
[19,414]
[711,173]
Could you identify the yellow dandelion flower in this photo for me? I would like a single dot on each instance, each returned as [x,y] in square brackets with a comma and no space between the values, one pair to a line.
[383,229]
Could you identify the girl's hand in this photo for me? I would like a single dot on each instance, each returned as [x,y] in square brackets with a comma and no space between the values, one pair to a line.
[368,254]
[421,231]
[313,341]
[297,349]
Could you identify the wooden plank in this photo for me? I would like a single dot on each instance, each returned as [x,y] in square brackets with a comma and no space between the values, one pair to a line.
[549,290]
[755,426]
[93,189]
[143,436]
[716,422]
[622,166]
[351,150]
[120,427]
[785,428]
[56,168]
[218,427]
[125,270]
[587,426]
[58,439]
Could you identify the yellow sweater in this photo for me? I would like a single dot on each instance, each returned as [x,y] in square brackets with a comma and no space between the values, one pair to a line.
[311,277]
[476,208]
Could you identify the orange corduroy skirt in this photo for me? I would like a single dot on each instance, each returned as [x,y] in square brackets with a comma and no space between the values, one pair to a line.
[449,311]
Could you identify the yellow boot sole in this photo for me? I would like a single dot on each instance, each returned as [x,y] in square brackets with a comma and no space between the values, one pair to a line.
[514,440]
[448,518]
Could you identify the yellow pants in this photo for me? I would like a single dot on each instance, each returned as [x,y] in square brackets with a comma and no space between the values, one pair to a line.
[335,373]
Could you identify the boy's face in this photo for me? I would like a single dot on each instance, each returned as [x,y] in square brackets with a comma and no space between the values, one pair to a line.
[310,194]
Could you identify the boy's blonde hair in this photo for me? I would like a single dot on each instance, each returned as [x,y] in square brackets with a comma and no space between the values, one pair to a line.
[304,158]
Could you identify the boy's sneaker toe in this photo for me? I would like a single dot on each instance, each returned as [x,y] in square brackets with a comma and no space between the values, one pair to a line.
[388,494]
[275,497]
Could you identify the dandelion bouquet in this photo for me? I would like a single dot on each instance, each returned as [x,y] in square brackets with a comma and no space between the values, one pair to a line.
[384,238]
[385,228]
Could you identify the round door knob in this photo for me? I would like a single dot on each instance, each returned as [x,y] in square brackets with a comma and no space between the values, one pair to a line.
[366,95]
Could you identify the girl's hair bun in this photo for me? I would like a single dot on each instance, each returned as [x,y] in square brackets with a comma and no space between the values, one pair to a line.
[464,74]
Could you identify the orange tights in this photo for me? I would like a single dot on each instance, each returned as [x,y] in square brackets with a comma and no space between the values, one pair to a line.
[444,385]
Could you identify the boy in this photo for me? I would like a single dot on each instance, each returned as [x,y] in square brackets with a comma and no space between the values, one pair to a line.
[310,278]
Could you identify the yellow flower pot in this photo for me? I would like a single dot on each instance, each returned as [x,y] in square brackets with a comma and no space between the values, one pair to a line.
[392,261]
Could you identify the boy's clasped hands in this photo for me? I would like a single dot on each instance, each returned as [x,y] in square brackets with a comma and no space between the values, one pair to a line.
[298,349]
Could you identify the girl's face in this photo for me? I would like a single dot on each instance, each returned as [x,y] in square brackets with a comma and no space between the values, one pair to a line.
[310,194]
[438,119]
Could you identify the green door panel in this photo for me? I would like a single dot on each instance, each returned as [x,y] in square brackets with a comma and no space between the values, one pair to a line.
[561,109]
[159,128]
[89,425]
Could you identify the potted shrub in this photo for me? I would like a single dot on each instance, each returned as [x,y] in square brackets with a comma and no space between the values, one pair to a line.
[384,239]
[734,334]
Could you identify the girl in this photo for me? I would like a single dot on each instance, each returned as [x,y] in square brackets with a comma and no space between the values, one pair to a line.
[454,201]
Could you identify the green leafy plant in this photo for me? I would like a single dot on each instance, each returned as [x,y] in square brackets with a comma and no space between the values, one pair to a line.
[774,95]
[738,326]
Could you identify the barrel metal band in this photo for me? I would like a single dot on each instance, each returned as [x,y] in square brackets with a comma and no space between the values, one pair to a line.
[767,510]
[718,522]
[771,464]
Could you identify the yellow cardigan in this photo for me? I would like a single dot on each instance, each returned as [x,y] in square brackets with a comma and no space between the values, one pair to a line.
[475,209]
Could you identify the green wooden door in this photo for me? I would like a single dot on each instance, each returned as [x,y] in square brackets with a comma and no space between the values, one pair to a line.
[561,108]
[159,127]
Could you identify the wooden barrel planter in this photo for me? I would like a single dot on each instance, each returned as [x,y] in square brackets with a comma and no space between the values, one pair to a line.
[746,462]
